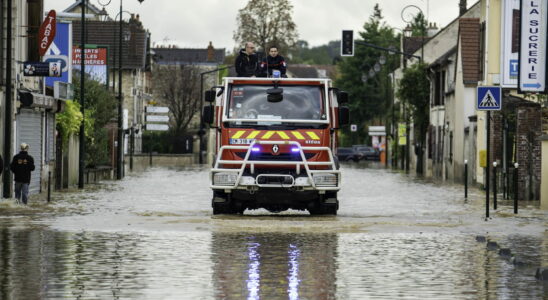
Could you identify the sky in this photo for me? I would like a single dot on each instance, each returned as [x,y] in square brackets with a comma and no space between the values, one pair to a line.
[194,23]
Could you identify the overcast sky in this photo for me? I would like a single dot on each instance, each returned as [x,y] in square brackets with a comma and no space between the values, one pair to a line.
[193,23]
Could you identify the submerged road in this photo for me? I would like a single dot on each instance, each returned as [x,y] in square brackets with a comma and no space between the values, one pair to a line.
[152,236]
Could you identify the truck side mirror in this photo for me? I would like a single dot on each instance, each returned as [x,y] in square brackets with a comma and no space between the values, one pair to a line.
[344,116]
[342,97]
[207,115]
[210,96]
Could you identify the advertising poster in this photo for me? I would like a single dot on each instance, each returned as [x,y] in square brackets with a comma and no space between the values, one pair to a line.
[95,61]
[402,138]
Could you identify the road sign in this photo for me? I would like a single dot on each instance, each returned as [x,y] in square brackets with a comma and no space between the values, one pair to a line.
[44,69]
[157,109]
[158,118]
[353,127]
[377,130]
[532,46]
[489,98]
[46,34]
[157,127]
[60,50]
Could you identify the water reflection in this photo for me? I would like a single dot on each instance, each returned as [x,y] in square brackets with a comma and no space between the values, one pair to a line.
[274,265]
[37,263]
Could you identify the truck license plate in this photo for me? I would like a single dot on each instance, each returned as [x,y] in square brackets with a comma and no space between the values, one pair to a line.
[241,141]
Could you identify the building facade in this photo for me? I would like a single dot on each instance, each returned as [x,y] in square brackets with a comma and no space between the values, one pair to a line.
[27,108]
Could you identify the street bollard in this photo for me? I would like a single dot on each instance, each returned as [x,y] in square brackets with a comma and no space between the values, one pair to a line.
[495,185]
[49,186]
[516,165]
[465,179]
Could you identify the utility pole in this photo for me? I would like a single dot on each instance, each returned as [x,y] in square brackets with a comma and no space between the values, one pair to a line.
[120,149]
[82,138]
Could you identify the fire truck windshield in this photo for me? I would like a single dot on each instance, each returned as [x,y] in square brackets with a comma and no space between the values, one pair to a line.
[249,102]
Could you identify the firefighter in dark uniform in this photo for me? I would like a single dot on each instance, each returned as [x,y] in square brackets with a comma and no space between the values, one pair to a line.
[247,62]
[272,62]
[21,166]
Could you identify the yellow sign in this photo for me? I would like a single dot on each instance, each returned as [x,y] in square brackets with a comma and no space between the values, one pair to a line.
[402,138]
[483,158]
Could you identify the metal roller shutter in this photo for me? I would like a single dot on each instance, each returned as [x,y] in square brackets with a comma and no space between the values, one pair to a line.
[29,130]
[50,134]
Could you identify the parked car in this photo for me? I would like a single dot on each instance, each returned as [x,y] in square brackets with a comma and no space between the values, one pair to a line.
[348,154]
[367,152]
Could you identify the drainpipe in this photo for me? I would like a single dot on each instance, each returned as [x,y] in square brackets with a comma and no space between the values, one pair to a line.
[9,110]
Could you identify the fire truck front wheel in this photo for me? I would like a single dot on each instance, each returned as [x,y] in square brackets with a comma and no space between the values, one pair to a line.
[222,203]
[325,205]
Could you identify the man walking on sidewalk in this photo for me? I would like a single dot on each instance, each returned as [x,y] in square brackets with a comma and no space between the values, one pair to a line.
[21,166]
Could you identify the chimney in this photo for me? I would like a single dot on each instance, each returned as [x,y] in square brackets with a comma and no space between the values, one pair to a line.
[432,29]
[210,52]
[462,7]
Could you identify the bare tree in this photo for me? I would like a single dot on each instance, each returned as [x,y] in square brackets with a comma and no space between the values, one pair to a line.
[178,87]
[267,22]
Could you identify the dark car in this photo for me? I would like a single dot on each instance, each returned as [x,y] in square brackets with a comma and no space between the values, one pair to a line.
[367,152]
[348,154]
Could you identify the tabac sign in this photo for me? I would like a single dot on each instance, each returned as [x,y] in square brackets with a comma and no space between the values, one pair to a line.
[532,51]
[47,32]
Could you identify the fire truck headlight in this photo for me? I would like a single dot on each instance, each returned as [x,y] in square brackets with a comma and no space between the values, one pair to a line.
[325,179]
[225,178]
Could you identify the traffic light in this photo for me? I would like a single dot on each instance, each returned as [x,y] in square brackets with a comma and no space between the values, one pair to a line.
[347,43]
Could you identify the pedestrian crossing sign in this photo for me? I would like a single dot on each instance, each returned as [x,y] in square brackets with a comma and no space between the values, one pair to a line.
[489,98]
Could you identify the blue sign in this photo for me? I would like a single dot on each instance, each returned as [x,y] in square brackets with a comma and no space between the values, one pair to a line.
[60,51]
[489,98]
[514,63]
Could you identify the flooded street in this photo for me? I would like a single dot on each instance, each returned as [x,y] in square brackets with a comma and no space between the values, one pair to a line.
[153,236]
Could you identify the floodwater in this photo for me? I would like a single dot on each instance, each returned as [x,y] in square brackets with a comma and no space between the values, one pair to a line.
[152,236]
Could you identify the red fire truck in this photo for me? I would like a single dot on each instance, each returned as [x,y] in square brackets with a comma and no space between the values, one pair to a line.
[276,140]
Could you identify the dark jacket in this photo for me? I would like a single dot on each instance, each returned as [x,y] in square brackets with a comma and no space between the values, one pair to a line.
[270,63]
[246,65]
[21,166]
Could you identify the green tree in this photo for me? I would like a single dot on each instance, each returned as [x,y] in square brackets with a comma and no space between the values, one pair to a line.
[370,96]
[100,108]
[414,90]
[267,22]
[419,25]
[321,55]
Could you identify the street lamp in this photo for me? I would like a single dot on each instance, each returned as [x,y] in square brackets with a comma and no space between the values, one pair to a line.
[408,31]
[82,139]
[408,17]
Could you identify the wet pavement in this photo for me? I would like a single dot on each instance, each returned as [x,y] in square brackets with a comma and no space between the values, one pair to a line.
[152,236]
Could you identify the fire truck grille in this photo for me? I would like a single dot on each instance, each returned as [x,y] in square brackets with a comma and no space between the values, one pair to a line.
[279,157]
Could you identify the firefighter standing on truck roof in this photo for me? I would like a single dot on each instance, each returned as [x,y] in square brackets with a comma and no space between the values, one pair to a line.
[247,62]
[272,62]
